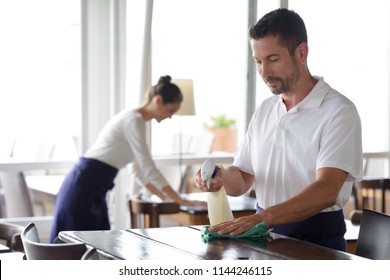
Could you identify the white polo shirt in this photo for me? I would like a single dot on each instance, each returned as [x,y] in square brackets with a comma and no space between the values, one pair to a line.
[284,149]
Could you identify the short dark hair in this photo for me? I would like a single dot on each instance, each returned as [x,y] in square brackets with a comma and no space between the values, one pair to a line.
[284,23]
[169,92]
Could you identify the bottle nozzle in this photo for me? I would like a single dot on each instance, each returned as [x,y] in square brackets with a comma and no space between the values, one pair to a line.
[208,170]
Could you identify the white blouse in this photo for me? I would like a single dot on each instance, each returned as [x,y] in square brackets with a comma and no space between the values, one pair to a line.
[122,141]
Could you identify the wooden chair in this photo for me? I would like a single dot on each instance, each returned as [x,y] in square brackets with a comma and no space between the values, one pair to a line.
[35,250]
[10,233]
[374,236]
[368,191]
[356,216]
[90,254]
[151,211]
[17,196]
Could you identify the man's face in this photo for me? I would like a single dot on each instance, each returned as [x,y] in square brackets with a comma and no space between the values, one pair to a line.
[279,70]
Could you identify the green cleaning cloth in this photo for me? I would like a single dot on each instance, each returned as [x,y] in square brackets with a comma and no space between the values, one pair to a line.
[257,232]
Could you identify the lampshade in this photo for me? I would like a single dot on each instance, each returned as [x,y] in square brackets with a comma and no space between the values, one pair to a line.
[186,87]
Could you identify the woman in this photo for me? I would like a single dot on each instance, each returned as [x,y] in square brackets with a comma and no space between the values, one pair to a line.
[81,201]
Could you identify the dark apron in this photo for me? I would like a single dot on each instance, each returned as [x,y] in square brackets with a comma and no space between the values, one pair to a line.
[81,202]
[326,229]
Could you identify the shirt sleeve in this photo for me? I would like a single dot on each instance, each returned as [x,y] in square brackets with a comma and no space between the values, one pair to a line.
[135,133]
[341,145]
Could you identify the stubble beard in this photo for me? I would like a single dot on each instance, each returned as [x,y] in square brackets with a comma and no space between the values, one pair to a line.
[286,84]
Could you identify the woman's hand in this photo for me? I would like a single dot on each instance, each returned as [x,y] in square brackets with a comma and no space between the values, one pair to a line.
[180,200]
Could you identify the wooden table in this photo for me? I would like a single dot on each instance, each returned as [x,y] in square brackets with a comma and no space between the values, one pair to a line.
[351,236]
[186,243]
[4,249]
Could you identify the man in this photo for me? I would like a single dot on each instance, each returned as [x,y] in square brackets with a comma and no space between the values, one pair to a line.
[303,147]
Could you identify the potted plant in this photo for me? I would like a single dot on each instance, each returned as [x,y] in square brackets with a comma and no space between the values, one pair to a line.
[225,133]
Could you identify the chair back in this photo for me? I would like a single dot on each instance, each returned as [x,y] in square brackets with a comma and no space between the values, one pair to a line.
[90,254]
[35,250]
[374,236]
[10,233]
[371,193]
[17,196]
[151,211]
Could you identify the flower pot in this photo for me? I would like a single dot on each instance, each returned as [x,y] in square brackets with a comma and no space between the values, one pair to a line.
[225,139]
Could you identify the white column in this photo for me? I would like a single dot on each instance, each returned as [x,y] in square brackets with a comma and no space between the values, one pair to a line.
[103,65]
[103,76]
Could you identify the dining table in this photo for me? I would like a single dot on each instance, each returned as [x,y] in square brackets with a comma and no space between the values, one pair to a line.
[187,243]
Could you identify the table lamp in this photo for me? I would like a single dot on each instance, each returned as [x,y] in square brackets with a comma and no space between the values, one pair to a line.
[186,87]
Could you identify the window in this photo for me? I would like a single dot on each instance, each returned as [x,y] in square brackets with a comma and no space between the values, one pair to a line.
[199,40]
[40,94]
[349,46]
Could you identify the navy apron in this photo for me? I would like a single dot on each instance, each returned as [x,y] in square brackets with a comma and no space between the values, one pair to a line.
[326,229]
[81,201]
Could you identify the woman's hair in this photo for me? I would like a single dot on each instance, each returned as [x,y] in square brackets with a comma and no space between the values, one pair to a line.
[169,92]
[285,24]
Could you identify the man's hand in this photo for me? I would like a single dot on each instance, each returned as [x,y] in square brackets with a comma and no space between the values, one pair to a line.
[215,183]
[237,226]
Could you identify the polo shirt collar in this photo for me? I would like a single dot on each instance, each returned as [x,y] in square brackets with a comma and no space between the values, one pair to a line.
[313,99]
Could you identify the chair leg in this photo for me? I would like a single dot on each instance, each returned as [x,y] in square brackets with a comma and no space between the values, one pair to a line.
[154,220]
[133,221]
[146,221]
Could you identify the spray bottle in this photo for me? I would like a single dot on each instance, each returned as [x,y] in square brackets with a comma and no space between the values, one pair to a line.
[217,202]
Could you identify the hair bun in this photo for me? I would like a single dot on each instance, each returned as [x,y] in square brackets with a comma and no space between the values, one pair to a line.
[165,79]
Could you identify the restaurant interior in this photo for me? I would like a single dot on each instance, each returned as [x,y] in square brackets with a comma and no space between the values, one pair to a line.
[70,65]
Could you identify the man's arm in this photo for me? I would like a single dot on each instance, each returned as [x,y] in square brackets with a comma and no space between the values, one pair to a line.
[235,181]
[316,197]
